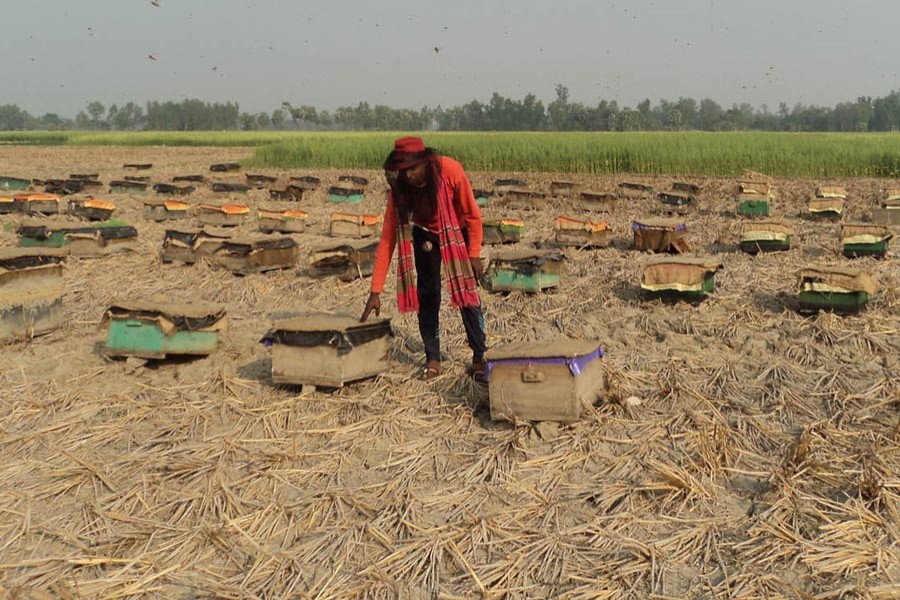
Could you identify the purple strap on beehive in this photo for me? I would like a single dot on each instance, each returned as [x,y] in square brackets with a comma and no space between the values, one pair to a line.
[635,225]
[576,364]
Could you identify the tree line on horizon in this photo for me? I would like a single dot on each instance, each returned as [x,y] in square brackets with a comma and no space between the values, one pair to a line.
[497,114]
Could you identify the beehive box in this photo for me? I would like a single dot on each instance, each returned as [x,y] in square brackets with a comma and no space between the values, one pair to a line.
[328,350]
[825,191]
[344,261]
[600,201]
[889,213]
[90,209]
[127,187]
[8,205]
[222,215]
[690,188]
[865,239]
[765,236]
[190,245]
[544,381]
[482,197]
[753,205]
[353,180]
[257,255]
[31,291]
[78,239]
[562,189]
[226,187]
[13,183]
[85,176]
[675,199]
[833,288]
[754,187]
[225,168]
[260,181]
[174,190]
[660,235]
[629,189]
[583,234]
[63,186]
[157,209]
[525,270]
[137,166]
[501,231]
[147,329]
[343,194]
[306,182]
[33,204]
[282,221]
[354,226]
[826,208]
[190,178]
[502,186]
[680,277]
[524,199]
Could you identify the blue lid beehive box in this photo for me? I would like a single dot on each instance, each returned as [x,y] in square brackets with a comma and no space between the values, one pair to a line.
[680,277]
[148,329]
[765,236]
[328,350]
[833,288]
[526,270]
[543,381]
[865,239]
[31,290]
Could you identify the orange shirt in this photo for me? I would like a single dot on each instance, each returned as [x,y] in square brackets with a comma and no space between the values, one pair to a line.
[467,212]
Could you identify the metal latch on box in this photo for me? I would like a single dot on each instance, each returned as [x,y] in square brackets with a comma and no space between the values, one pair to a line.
[529,376]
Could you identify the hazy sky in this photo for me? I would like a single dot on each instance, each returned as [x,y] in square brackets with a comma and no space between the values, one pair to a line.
[55,56]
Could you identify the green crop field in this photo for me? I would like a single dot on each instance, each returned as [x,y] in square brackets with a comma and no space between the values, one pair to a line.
[694,153]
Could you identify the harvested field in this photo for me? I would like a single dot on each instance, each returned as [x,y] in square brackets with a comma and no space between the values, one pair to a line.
[742,450]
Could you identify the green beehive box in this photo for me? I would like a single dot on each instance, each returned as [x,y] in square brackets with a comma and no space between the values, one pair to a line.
[765,236]
[680,278]
[147,329]
[836,289]
[482,197]
[864,239]
[501,231]
[345,195]
[14,183]
[753,205]
[525,270]
[98,239]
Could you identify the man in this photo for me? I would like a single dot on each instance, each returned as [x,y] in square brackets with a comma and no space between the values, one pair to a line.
[432,219]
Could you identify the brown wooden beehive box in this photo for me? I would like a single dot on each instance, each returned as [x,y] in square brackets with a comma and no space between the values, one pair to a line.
[222,215]
[282,221]
[354,226]
[31,291]
[257,255]
[90,209]
[600,201]
[582,234]
[502,186]
[189,245]
[328,350]
[34,204]
[344,261]
[562,189]
[157,209]
[523,199]
[544,381]
[660,235]
[630,189]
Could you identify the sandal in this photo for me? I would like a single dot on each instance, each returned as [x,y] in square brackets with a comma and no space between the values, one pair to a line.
[477,369]
[430,370]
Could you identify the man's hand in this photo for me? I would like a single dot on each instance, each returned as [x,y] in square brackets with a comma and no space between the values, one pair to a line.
[477,269]
[373,303]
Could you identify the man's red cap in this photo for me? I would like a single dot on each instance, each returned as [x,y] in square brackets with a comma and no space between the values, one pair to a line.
[409,145]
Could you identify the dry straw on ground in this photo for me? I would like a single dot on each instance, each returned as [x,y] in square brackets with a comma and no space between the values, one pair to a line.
[742,450]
